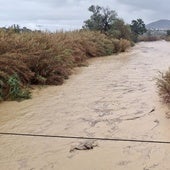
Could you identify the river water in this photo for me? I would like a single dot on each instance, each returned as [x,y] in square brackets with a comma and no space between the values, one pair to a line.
[114,97]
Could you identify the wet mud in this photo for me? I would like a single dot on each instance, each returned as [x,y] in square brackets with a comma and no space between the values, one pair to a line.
[114,97]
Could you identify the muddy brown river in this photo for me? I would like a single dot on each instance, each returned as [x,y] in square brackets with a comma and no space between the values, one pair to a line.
[114,97]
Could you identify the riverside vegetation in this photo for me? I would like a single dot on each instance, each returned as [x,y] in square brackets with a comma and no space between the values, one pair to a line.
[43,58]
[163,81]
[163,84]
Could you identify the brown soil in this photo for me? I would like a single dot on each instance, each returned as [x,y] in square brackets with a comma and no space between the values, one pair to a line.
[115,97]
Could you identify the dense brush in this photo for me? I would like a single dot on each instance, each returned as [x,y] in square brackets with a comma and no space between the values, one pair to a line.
[48,58]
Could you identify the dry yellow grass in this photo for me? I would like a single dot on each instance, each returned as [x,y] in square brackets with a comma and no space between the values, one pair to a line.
[163,84]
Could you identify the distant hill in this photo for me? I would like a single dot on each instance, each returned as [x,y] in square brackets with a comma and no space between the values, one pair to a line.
[163,24]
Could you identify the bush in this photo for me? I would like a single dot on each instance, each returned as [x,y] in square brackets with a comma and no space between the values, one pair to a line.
[12,89]
[121,45]
[15,88]
[163,84]
[124,44]
[48,58]
[167,38]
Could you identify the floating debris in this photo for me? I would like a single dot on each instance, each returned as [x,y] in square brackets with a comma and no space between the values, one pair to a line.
[87,145]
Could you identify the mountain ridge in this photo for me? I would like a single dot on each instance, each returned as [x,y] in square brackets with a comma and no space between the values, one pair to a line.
[162,24]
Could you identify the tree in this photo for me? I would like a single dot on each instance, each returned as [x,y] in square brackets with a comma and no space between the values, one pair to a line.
[101,19]
[138,27]
[120,30]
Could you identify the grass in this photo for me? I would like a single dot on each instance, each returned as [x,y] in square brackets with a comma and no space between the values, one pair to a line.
[39,58]
[163,84]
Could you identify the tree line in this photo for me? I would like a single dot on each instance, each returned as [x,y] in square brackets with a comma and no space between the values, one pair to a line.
[104,20]
[107,21]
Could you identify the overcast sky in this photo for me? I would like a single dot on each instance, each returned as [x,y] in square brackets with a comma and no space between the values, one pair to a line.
[70,14]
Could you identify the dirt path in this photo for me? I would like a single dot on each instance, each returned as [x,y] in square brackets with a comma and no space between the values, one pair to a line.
[114,97]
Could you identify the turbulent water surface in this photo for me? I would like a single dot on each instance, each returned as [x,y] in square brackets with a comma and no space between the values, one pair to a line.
[114,97]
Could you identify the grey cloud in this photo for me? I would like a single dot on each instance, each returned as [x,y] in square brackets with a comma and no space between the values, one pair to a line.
[148,4]
[72,13]
[51,13]
[149,9]
[36,10]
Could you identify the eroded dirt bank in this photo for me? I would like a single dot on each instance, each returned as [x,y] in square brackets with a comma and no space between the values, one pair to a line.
[114,97]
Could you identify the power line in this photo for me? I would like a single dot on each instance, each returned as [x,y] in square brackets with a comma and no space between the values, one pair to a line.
[87,138]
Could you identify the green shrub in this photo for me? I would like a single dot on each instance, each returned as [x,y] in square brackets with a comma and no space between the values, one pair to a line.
[16,91]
